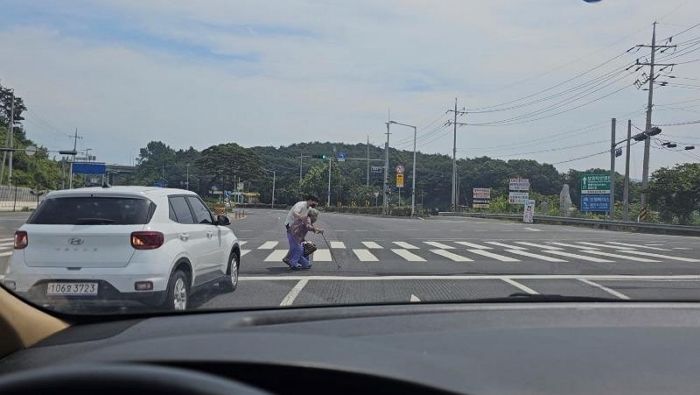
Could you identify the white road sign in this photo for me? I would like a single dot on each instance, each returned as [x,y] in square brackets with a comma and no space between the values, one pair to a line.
[519,184]
[518,197]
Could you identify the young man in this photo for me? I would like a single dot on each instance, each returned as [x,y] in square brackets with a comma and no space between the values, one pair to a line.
[298,212]
[299,229]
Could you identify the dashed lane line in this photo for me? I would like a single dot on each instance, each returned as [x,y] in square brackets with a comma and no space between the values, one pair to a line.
[604,288]
[294,292]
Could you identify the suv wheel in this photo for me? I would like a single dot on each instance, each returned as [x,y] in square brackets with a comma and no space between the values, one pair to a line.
[230,281]
[178,292]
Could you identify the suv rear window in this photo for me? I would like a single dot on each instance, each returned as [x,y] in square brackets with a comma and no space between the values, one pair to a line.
[93,211]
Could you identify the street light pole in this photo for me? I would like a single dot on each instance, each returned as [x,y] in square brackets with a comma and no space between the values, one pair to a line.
[187,179]
[274,179]
[330,165]
[385,202]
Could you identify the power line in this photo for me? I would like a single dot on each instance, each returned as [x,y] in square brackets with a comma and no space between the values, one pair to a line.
[556,149]
[678,123]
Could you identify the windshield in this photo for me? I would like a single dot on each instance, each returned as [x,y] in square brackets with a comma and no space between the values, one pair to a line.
[180,156]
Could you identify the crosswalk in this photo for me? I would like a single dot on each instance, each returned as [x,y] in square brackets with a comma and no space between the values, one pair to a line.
[475,251]
[6,246]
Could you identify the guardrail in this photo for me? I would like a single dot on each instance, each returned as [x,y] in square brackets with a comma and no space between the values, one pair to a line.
[640,227]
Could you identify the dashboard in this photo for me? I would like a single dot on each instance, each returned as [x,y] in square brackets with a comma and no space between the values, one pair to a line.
[512,348]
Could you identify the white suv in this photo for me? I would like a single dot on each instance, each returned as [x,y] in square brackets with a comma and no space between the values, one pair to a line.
[114,245]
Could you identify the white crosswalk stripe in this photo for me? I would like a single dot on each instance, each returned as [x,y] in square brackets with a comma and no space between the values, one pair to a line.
[322,255]
[276,256]
[638,246]
[675,258]
[242,243]
[451,256]
[439,245]
[577,256]
[545,246]
[536,256]
[8,239]
[489,254]
[337,244]
[364,255]
[8,253]
[244,252]
[7,244]
[573,246]
[603,245]
[511,246]
[268,245]
[372,245]
[405,245]
[618,256]
[473,245]
[407,255]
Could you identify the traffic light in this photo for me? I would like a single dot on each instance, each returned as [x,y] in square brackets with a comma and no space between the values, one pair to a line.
[319,156]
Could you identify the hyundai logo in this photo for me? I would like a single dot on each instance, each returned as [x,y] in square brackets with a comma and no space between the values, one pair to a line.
[76,241]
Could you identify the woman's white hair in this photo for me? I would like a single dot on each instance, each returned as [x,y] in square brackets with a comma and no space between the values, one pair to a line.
[313,214]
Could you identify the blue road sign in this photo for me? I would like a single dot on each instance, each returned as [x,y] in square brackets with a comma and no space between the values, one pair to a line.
[341,156]
[595,202]
[89,168]
[162,183]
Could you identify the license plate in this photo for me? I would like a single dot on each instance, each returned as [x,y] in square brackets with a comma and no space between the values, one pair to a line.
[72,289]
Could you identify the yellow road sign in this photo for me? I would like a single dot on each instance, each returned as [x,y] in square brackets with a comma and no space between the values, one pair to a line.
[399,180]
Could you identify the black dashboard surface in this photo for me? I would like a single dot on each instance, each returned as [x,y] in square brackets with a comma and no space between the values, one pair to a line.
[520,348]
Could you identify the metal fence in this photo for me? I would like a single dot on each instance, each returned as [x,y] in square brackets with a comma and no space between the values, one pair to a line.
[14,198]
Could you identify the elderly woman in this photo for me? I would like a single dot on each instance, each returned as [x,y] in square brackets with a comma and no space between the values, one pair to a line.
[299,229]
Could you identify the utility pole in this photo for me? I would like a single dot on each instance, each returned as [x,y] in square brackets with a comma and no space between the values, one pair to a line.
[8,141]
[74,153]
[11,132]
[626,192]
[650,104]
[187,179]
[274,179]
[386,171]
[301,166]
[454,152]
[613,123]
[330,165]
[367,160]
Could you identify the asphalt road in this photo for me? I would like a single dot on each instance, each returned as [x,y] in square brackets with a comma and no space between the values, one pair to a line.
[400,260]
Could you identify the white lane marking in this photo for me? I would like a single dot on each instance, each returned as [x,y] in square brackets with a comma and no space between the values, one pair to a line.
[405,245]
[8,239]
[372,245]
[439,245]
[536,256]
[604,288]
[488,254]
[636,246]
[630,258]
[322,255]
[573,246]
[682,248]
[268,245]
[473,245]
[7,244]
[337,244]
[364,255]
[675,258]
[533,229]
[545,246]
[242,243]
[451,256]
[514,247]
[603,245]
[243,252]
[577,256]
[294,292]
[276,256]
[594,277]
[414,299]
[407,255]
[8,253]
[521,287]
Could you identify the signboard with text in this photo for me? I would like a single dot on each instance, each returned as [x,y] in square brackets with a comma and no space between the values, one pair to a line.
[529,211]
[518,197]
[481,197]
[519,184]
[399,180]
[595,192]
[377,169]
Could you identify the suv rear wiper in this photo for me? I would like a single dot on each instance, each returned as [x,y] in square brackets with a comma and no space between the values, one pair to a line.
[525,297]
[94,221]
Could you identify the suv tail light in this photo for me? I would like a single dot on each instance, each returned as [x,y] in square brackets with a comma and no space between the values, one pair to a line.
[21,240]
[147,240]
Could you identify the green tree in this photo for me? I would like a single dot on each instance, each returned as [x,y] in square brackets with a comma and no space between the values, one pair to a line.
[676,192]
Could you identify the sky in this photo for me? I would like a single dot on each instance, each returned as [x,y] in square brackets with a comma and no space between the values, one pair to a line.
[199,73]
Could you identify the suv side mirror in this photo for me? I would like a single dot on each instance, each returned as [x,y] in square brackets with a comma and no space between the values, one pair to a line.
[223,220]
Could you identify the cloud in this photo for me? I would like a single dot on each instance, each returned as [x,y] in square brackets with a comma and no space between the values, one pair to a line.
[201,73]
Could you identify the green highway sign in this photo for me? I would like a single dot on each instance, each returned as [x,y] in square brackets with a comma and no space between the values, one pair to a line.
[595,184]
